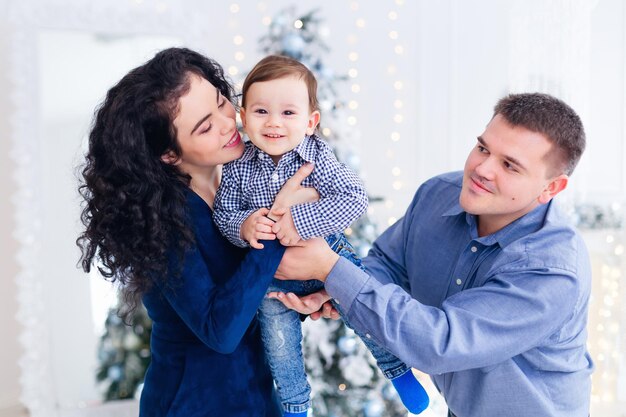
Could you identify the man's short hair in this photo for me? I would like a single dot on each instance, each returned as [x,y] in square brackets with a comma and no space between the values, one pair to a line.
[545,114]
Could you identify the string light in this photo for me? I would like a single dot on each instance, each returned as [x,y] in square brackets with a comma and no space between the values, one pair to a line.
[398,85]
[607,313]
[234,69]
[352,103]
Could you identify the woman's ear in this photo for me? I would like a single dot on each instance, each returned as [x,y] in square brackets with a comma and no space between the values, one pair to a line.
[170,158]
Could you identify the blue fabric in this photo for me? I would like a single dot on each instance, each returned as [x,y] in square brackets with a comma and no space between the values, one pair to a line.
[411,392]
[281,332]
[207,355]
[499,321]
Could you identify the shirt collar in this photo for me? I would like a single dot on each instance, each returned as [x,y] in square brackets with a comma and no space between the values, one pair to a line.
[306,148]
[525,225]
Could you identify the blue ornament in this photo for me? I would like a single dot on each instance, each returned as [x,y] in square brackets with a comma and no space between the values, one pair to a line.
[326,73]
[293,44]
[114,373]
[353,160]
[363,250]
[373,408]
[347,345]
[390,393]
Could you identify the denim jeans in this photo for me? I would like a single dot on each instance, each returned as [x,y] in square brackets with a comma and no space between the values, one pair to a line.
[281,331]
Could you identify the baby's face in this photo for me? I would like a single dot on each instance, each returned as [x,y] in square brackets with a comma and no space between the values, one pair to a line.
[277,115]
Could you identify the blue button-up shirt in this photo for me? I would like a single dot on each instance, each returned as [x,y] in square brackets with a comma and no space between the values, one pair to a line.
[498,321]
[252,181]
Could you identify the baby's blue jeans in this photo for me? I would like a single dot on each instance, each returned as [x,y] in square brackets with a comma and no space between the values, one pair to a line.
[281,331]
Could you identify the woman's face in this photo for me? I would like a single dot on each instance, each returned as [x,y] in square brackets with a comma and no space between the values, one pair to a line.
[206,128]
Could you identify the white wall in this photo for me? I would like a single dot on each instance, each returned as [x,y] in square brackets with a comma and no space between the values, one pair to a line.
[10,349]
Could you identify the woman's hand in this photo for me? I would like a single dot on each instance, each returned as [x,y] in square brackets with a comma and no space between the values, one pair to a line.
[293,192]
[315,305]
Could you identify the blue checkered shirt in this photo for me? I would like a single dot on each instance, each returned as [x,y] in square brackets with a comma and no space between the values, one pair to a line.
[252,181]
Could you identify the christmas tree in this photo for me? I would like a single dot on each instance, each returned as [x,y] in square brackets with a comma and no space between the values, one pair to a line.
[342,372]
[124,354]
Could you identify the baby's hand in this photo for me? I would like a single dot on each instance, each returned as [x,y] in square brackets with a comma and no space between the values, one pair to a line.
[285,230]
[257,227]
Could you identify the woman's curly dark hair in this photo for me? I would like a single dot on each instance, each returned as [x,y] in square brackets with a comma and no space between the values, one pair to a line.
[134,211]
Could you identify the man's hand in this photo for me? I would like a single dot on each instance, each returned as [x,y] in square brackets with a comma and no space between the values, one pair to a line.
[285,230]
[293,192]
[311,259]
[257,227]
[315,305]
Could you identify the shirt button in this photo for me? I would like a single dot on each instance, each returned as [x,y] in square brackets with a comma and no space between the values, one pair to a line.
[458,281]
[336,301]
[274,177]
[369,336]
[474,249]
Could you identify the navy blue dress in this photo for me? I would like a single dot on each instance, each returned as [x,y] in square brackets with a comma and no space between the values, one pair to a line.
[207,355]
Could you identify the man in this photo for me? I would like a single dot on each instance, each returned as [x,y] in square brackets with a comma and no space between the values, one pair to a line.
[482,284]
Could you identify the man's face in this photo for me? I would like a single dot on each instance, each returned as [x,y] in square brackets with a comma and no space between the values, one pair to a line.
[507,175]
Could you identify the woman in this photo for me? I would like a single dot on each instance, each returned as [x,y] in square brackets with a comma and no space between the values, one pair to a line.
[153,166]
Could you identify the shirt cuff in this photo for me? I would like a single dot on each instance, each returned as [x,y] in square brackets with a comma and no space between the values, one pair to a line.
[306,220]
[344,283]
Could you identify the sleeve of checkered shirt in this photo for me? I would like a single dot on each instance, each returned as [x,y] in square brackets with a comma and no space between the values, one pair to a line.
[342,198]
[228,214]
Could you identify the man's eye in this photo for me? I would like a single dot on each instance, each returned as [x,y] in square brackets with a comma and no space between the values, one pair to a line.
[510,166]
